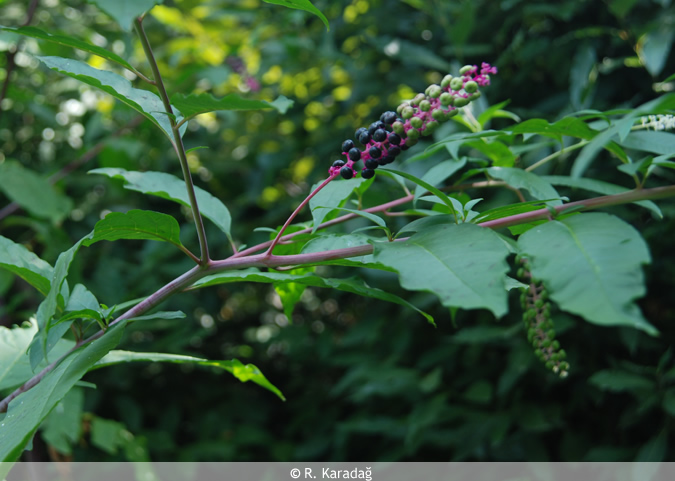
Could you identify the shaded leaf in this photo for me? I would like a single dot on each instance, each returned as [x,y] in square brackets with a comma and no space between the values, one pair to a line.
[331,196]
[591,266]
[124,12]
[617,381]
[244,373]
[143,101]
[520,179]
[439,173]
[305,5]
[172,188]
[195,104]
[25,264]
[137,224]
[33,192]
[464,265]
[63,427]
[353,285]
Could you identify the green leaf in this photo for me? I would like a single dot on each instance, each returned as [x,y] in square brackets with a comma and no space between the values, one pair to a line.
[305,5]
[599,187]
[143,101]
[167,315]
[124,12]
[353,285]
[654,49]
[27,411]
[376,219]
[63,427]
[25,264]
[606,254]
[617,381]
[439,173]
[14,366]
[335,194]
[137,224]
[242,372]
[341,241]
[195,104]
[464,265]
[81,298]
[172,188]
[70,42]
[33,192]
[649,141]
[496,151]
[290,294]
[520,179]
[446,200]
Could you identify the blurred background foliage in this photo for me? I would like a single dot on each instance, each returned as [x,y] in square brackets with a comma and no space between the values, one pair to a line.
[363,380]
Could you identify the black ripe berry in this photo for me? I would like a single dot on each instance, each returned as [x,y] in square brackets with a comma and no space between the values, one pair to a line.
[405,147]
[346,172]
[359,131]
[372,164]
[393,138]
[388,117]
[338,163]
[354,154]
[376,125]
[379,135]
[375,152]
[387,159]
[393,150]
[346,145]
[364,137]
[367,173]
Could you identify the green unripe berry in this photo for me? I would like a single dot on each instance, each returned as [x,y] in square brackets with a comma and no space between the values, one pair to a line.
[562,354]
[464,70]
[475,95]
[550,334]
[407,112]
[549,364]
[434,91]
[539,303]
[425,105]
[446,98]
[470,87]
[418,98]
[555,345]
[546,343]
[456,83]
[400,108]
[416,122]
[539,353]
[446,81]
[460,102]
[431,126]
[399,128]
[439,115]
[410,142]
[412,135]
[564,366]
[452,113]
[521,273]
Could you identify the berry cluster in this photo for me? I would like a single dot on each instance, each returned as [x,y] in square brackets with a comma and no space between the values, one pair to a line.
[538,322]
[398,131]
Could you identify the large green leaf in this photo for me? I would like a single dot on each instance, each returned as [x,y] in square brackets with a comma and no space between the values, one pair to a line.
[464,265]
[137,224]
[195,104]
[353,285]
[33,192]
[341,241]
[124,12]
[439,173]
[243,372]
[591,266]
[70,42]
[25,264]
[63,427]
[27,411]
[618,380]
[599,187]
[520,179]
[143,101]
[648,141]
[172,188]
[305,5]
[333,195]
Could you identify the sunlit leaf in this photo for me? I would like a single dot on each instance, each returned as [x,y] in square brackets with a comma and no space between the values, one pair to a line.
[25,264]
[305,5]
[124,12]
[195,104]
[333,195]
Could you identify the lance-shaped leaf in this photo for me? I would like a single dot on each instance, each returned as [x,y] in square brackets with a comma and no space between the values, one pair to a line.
[520,179]
[335,194]
[137,224]
[305,5]
[243,372]
[27,411]
[464,265]
[354,285]
[591,266]
[33,192]
[172,188]
[195,104]
[25,264]
[144,102]
[124,12]
[70,42]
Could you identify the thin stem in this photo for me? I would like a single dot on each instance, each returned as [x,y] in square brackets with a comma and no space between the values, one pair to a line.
[297,211]
[178,142]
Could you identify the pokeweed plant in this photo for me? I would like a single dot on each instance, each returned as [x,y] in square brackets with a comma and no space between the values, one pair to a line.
[563,257]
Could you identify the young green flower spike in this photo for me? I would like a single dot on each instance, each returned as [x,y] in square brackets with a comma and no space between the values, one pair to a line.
[396,132]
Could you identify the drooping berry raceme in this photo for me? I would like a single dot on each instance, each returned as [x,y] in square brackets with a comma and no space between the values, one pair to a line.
[538,322]
[395,132]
